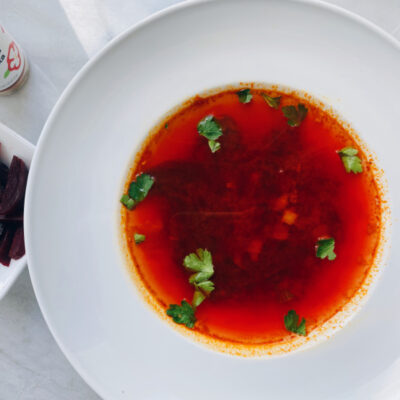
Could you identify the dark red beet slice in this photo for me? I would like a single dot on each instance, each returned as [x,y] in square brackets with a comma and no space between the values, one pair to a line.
[3,174]
[14,192]
[5,243]
[12,218]
[17,249]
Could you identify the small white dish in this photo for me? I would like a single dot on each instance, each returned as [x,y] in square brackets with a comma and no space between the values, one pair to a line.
[119,345]
[13,144]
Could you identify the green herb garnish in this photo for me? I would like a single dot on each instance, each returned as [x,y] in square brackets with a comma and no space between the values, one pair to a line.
[198,298]
[127,202]
[351,162]
[139,189]
[166,126]
[183,314]
[292,323]
[209,128]
[272,101]
[139,238]
[244,95]
[201,264]
[206,286]
[294,115]
[203,290]
[214,145]
[325,248]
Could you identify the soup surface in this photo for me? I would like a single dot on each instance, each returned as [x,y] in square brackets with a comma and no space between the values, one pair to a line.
[287,225]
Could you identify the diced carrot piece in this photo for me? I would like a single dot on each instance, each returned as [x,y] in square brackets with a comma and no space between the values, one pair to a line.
[289,217]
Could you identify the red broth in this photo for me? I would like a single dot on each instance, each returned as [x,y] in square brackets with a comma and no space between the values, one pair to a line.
[259,205]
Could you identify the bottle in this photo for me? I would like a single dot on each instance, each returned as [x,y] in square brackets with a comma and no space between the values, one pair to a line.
[14,66]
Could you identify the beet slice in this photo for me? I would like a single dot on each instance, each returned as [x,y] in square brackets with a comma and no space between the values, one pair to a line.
[3,174]
[5,243]
[12,218]
[14,192]
[17,249]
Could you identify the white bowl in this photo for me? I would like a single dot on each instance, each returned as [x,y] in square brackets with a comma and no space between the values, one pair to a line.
[93,309]
[13,144]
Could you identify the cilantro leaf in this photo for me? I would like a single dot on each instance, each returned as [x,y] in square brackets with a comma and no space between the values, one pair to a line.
[295,116]
[244,95]
[209,128]
[139,238]
[206,287]
[183,314]
[198,298]
[351,162]
[200,263]
[272,101]
[325,248]
[139,189]
[214,145]
[291,320]
[127,202]
[203,290]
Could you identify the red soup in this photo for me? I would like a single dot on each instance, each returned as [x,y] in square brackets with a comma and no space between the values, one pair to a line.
[290,216]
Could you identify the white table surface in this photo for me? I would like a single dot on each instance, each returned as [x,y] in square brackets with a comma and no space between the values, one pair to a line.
[59,37]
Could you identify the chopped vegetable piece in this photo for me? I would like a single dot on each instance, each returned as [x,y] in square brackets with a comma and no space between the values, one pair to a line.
[3,174]
[166,126]
[272,101]
[245,95]
[139,238]
[127,202]
[292,323]
[183,314]
[214,145]
[198,298]
[206,287]
[12,218]
[201,264]
[289,217]
[351,162]
[325,248]
[295,116]
[17,249]
[203,290]
[209,128]
[139,189]
[5,243]
[14,192]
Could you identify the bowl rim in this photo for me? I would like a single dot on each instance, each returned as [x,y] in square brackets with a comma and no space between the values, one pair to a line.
[80,75]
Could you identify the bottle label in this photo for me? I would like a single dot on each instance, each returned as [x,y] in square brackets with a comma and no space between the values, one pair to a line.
[12,61]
